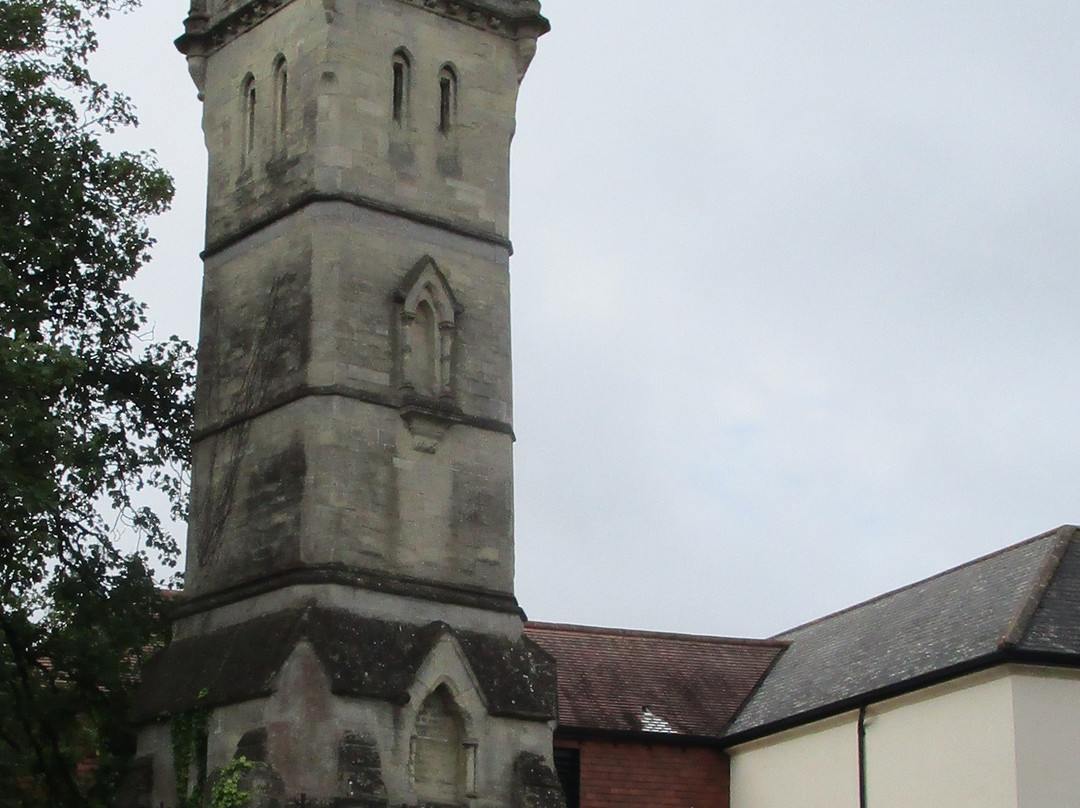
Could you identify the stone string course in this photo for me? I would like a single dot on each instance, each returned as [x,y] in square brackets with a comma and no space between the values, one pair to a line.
[203,35]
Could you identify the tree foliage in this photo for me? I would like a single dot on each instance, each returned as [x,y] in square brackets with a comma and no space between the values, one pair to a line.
[93,415]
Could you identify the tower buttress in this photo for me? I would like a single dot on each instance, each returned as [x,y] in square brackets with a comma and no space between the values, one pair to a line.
[349,614]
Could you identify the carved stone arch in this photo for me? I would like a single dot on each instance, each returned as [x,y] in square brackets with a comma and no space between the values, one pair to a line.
[428,316]
[442,759]
[458,695]
[446,684]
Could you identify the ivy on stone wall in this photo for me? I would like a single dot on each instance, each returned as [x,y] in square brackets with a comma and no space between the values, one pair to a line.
[226,791]
[188,732]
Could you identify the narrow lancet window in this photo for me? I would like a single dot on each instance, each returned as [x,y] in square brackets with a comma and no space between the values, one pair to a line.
[447,99]
[248,99]
[281,101]
[424,370]
[400,99]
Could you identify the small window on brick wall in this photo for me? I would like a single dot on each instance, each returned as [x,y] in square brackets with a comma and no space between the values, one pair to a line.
[568,768]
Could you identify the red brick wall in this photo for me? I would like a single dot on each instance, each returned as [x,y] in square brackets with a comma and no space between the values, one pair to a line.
[631,775]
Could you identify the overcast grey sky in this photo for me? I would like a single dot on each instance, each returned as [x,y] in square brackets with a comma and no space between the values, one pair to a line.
[795,294]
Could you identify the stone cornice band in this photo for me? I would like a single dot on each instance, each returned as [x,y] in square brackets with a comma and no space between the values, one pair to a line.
[513,19]
[189,605]
[359,201]
[450,416]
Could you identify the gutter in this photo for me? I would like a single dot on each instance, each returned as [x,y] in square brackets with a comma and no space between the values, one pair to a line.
[571,733]
[862,756]
[1001,656]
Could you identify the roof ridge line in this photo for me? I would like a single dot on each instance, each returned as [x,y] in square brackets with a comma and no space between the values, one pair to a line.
[1021,621]
[574,628]
[1042,536]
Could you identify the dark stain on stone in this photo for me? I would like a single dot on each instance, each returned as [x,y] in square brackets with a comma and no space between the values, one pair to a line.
[136,787]
[253,745]
[448,165]
[264,785]
[481,508]
[270,516]
[215,499]
[401,155]
[360,769]
[535,783]
[254,350]
[281,344]
[363,657]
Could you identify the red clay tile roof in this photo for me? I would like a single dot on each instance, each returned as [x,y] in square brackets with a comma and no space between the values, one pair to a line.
[637,681]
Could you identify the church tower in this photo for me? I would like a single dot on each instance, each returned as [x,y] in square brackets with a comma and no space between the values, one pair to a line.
[349,625]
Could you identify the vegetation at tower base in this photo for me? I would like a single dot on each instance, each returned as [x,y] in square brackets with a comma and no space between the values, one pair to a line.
[93,414]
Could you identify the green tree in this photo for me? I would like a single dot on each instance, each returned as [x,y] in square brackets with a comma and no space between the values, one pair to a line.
[92,414]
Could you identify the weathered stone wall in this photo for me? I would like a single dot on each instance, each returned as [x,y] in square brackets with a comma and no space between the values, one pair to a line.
[313,297]
[340,135]
[333,750]
[350,550]
[303,456]
[332,481]
[371,602]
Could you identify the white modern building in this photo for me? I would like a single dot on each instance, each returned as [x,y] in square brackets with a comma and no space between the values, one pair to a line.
[961,690]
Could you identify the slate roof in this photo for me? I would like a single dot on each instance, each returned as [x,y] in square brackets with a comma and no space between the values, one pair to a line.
[363,657]
[1018,604]
[617,681]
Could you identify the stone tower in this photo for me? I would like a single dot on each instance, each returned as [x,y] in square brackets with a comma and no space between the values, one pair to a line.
[349,624]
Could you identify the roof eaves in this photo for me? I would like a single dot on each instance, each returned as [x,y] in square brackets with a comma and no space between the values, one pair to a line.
[849,703]
[639,736]
[969,666]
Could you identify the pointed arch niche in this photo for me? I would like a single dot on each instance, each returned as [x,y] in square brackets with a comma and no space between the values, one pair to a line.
[442,760]
[428,321]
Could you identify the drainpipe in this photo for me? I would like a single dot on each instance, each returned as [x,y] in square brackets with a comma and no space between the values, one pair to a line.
[862,756]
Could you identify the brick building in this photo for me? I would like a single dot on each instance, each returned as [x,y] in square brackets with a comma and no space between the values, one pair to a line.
[641,714]
[960,690]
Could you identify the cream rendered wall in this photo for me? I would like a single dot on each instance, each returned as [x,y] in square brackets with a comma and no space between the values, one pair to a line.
[949,745]
[1047,707]
[1004,738]
[811,767]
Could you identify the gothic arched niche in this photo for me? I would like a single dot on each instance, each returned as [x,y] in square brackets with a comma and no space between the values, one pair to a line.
[439,764]
[428,319]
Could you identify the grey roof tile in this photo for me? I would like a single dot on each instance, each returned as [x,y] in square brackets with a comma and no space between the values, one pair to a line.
[1054,626]
[1024,599]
